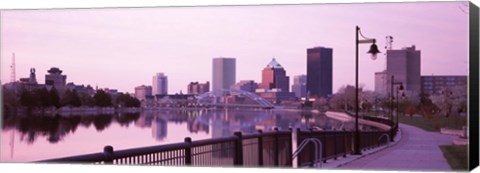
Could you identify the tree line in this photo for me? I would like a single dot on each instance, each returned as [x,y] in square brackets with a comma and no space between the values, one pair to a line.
[44,98]
[452,100]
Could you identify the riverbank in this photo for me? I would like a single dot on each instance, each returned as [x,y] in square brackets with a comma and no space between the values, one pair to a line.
[71,111]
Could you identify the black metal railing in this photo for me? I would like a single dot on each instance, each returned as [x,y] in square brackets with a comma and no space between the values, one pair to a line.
[261,149]
[334,144]
[252,150]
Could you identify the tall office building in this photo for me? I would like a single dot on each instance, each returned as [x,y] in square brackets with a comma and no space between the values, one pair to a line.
[198,88]
[275,84]
[223,73]
[404,65]
[299,86]
[319,72]
[274,76]
[160,84]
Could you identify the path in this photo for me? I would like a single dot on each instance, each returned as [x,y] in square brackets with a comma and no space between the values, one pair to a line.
[418,150]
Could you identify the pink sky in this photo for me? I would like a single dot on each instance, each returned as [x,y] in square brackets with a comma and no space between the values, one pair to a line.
[124,47]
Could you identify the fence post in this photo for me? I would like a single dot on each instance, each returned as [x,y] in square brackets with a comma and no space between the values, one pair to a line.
[324,149]
[188,151]
[108,151]
[392,130]
[290,147]
[276,153]
[345,148]
[335,147]
[260,148]
[238,159]
[299,161]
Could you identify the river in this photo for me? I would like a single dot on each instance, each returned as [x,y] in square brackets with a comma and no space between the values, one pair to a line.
[33,138]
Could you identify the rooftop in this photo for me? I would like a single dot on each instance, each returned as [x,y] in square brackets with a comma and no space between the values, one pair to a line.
[54,70]
[274,64]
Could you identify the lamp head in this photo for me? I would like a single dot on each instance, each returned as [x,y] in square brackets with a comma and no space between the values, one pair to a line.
[401,87]
[374,51]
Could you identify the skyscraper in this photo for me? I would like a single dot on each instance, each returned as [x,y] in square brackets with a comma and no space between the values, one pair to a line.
[160,84]
[275,84]
[404,65]
[223,73]
[299,86]
[274,76]
[319,71]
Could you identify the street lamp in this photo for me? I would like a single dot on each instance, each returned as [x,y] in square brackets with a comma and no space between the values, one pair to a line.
[373,51]
[391,101]
[397,89]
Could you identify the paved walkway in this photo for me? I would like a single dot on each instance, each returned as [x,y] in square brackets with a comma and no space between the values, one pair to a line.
[417,150]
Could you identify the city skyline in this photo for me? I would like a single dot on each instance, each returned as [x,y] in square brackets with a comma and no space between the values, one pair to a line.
[182,41]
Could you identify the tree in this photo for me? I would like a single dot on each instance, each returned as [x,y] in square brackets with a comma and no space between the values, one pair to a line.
[344,98]
[366,106]
[371,100]
[71,98]
[451,99]
[75,99]
[44,95]
[410,110]
[54,97]
[321,103]
[10,97]
[10,101]
[28,99]
[443,102]
[65,100]
[459,98]
[126,100]
[102,99]
[86,99]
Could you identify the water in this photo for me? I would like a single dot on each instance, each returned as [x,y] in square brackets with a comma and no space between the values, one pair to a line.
[33,138]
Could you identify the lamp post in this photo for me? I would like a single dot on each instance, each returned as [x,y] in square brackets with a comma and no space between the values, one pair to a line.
[374,51]
[403,97]
[391,102]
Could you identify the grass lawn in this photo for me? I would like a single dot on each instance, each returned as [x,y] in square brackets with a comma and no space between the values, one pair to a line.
[434,123]
[457,156]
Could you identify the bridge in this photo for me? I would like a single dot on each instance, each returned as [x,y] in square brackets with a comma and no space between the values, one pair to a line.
[230,98]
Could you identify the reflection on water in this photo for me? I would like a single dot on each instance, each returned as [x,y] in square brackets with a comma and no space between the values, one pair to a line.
[30,138]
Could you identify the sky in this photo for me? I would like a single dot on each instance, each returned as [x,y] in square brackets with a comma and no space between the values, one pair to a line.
[121,48]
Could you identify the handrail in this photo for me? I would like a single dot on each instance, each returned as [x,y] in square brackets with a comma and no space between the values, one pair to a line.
[304,143]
